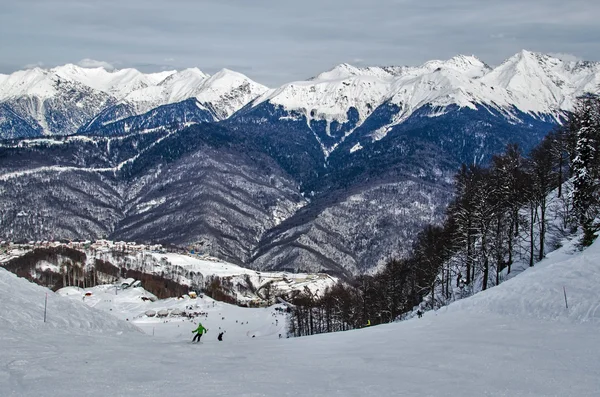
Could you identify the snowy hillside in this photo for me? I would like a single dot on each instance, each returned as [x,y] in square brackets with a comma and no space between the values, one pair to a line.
[565,271]
[23,310]
[280,282]
[50,261]
[173,318]
[483,345]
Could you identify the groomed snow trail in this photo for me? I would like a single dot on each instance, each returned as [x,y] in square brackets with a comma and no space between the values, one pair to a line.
[516,339]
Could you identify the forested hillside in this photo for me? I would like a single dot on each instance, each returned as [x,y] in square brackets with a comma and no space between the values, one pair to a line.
[509,214]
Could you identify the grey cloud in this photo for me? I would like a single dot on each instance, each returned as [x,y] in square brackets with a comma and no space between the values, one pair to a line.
[92,63]
[275,41]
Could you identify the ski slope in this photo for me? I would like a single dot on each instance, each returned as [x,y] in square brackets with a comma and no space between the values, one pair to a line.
[237,323]
[517,339]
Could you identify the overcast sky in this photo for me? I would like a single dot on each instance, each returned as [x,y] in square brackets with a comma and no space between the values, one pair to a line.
[276,41]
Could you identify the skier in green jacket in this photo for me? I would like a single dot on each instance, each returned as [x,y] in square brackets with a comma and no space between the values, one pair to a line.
[199,331]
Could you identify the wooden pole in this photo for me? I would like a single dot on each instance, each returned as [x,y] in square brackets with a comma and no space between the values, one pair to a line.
[45,306]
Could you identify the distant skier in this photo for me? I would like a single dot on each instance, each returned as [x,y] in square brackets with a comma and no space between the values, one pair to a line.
[220,337]
[199,331]
[419,313]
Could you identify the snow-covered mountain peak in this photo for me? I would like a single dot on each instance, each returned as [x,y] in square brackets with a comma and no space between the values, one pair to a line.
[229,91]
[330,100]
[189,73]
[228,74]
[527,63]
[183,84]
[158,77]
[469,66]
[331,94]
[440,87]
[223,93]
[341,71]
[70,69]
[534,83]
[30,82]
[345,70]
[118,83]
[537,83]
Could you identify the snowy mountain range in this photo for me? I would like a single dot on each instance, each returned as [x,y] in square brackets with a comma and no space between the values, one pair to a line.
[334,173]
[83,97]
[69,98]
[346,97]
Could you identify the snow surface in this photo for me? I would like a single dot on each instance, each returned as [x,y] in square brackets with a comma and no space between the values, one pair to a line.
[517,339]
[22,311]
[237,323]
[548,281]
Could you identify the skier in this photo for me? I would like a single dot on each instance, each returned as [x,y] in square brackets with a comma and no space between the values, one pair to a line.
[419,313]
[220,337]
[199,331]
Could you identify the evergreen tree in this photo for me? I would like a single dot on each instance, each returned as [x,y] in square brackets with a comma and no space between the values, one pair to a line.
[586,163]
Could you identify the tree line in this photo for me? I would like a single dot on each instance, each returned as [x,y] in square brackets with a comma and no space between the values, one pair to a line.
[499,216]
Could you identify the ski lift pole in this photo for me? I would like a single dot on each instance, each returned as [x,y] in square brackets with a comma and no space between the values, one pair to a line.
[45,306]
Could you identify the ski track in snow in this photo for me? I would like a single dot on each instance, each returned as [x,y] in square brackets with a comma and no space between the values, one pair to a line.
[517,339]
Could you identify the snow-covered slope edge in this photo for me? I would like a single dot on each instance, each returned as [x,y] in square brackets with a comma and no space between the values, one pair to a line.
[23,309]
[539,291]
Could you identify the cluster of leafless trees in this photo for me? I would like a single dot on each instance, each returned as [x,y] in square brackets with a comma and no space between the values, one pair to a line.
[498,212]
